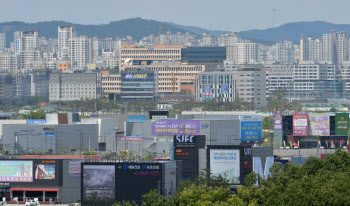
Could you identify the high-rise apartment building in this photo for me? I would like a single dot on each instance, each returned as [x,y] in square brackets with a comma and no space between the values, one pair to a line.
[2,40]
[229,41]
[246,53]
[79,51]
[329,51]
[64,34]
[342,47]
[285,52]
[24,40]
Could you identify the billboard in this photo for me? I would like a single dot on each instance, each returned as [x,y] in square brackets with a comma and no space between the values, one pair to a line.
[16,171]
[45,172]
[75,168]
[175,127]
[130,138]
[135,76]
[226,162]
[48,132]
[35,121]
[277,121]
[136,118]
[300,126]
[206,89]
[251,131]
[99,179]
[341,124]
[224,88]
[319,124]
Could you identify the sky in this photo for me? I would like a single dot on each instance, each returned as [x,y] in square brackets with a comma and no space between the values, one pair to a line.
[227,15]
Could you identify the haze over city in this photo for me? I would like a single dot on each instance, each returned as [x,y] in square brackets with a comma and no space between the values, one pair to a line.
[219,15]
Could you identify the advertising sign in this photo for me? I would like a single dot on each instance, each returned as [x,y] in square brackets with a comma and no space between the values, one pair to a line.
[16,171]
[48,132]
[250,117]
[175,127]
[99,179]
[341,124]
[225,162]
[251,131]
[300,126]
[130,138]
[45,172]
[136,118]
[277,121]
[75,168]
[224,88]
[35,121]
[135,76]
[319,124]
[206,89]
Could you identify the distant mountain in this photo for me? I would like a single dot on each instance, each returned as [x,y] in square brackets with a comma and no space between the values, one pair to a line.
[198,30]
[135,27]
[138,28]
[292,31]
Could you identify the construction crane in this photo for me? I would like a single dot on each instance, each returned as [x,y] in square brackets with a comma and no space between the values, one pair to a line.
[297,58]
[160,30]
[173,74]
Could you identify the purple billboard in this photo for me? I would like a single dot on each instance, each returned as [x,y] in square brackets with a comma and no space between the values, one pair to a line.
[277,121]
[175,127]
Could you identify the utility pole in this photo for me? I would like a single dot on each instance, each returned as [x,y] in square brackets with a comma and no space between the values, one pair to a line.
[89,143]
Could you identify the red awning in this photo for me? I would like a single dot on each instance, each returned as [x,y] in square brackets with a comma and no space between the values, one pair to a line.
[24,189]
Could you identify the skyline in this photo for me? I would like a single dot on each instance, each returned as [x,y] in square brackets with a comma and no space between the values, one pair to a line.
[266,14]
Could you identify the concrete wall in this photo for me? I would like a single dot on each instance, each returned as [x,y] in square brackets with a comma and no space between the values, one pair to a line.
[10,121]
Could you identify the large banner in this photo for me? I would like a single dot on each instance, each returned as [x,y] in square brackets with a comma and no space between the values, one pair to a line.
[341,124]
[300,126]
[226,162]
[136,118]
[251,131]
[175,127]
[319,124]
[16,171]
[99,179]
[75,168]
[277,121]
[45,172]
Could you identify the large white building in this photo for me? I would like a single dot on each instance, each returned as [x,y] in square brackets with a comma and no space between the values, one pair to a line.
[24,40]
[64,34]
[285,52]
[79,51]
[2,40]
[246,53]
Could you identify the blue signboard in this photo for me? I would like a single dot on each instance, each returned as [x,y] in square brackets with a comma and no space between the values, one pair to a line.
[35,121]
[224,88]
[206,89]
[135,76]
[136,118]
[251,131]
[48,132]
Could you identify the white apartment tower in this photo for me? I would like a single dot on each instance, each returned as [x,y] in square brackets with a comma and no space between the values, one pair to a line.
[285,52]
[24,40]
[64,34]
[342,48]
[79,51]
[307,49]
[246,53]
[329,47]
[229,41]
[209,40]
[318,50]
[2,40]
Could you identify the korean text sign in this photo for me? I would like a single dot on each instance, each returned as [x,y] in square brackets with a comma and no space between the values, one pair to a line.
[300,125]
[16,171]
[251,131]
[176,127]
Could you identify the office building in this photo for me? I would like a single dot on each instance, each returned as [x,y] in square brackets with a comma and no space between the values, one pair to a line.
[251,86]
[40,83]
[219,85]
[110,84]
[139,85]
[74,86]
[210,57]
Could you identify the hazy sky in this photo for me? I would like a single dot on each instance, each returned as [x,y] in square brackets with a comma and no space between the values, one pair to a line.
[232,15]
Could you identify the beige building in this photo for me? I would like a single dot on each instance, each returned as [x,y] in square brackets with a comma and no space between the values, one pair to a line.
[135,55]
[183,74]
[110,83]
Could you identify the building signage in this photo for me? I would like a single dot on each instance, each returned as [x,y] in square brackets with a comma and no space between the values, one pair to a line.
[48,132]
[45,172]
[185,141]
[135,76]
[129,138]
[29,132]
[99,179]
[16,171]
[319,124]
[251,118]
[136,118]
[35,121]
[175,127]
[251,131]
[341,124]
[75,168]
[300,125]
[224,88]
[277,121]
[225,162]
[206,89]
